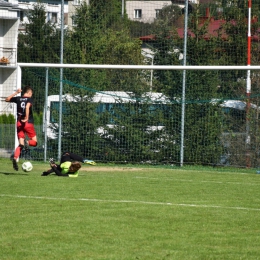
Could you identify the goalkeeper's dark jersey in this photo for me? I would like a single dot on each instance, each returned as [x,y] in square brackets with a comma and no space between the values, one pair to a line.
[21,105]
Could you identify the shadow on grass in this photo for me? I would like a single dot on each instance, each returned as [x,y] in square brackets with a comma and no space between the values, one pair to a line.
[14,173]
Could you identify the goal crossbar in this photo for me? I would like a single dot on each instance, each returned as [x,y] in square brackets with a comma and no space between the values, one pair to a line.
[137,67]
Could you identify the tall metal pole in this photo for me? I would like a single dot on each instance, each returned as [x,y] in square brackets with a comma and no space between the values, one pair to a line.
[184,84]
[45,112]
[61,77]
[151,77]
[18,85]
[123,9]
[248,87]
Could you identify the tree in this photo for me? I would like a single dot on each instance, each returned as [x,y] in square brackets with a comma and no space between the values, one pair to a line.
[106,13]
[40,42]
[95,39]
[170,16]
[203,119]
[137,28]
[166,51]
[101,42]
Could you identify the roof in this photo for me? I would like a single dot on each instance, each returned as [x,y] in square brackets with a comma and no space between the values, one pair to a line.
[214,29]
[7,4]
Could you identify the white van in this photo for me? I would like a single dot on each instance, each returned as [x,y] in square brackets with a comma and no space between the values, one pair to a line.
[106,100]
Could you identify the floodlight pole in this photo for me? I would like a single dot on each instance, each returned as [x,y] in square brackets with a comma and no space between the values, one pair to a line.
[248,87]
[184,84]
[61,77]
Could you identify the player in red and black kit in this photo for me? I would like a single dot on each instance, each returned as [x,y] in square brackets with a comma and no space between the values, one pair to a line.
[24,121]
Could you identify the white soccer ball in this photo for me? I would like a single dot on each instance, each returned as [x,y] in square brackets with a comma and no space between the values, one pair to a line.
[27,166]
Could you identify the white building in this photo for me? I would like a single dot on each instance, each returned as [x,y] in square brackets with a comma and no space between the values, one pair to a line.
[9,72]
[144,11]
[71,10]
[136,10]
[52,8]
[147,10]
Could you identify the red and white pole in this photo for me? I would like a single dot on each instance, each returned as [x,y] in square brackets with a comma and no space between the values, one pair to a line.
[248,85]
[249,42]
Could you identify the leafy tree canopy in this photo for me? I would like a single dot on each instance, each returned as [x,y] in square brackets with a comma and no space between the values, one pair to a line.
[40,42]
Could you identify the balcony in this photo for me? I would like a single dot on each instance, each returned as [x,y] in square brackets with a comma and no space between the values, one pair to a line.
[8,56]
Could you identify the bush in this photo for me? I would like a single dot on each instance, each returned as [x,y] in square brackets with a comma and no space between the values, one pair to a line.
[7,119]
[10,119]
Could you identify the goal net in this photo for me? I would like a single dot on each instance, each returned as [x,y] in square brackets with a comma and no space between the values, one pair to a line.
[215,123]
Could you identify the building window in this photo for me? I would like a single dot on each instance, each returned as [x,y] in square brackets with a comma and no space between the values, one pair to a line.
[52,17]
[157,12]
[73,18]
[77,2]
[21,16]
[138,13]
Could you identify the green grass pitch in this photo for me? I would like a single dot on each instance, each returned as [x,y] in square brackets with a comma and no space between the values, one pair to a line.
[124,212]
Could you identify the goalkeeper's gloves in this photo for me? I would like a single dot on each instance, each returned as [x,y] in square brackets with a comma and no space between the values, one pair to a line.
[89,162]
[51,161]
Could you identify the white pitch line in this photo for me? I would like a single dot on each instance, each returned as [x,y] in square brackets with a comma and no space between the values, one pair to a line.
[198,181]
[131,201]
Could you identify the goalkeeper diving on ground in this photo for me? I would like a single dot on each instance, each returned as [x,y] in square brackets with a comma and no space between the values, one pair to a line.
[69,166]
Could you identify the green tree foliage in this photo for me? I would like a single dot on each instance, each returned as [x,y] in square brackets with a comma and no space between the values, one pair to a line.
[202,121]
[7,119]
[80,122]
[11,119]
[106,13]
[137,132]
[40,40]
[119,48]
[39,43]
[95,42]
[166,52]
[231,46]
[97,38]
[138,29]
[38,117]
[170,16]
